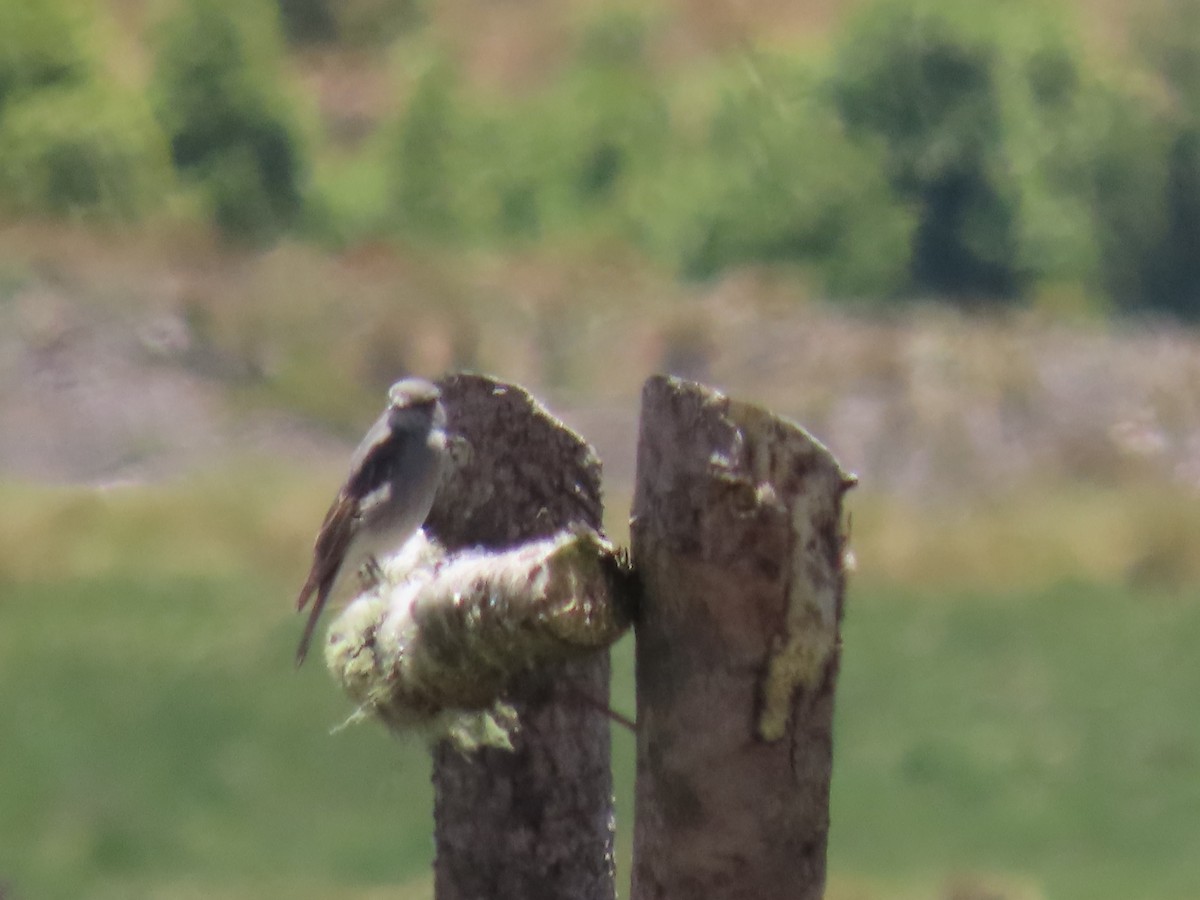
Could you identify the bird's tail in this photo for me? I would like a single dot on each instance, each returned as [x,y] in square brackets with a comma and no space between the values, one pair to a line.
[309,587]
[310,625]
[322,593]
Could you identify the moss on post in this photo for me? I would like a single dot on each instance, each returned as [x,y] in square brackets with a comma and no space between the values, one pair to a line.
[435,646]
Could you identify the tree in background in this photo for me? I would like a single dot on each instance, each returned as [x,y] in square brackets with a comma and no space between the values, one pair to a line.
[1149,199]
[981,116]
[467,165]
[429,156]
[969,153]
[41,45]
[216,93]
[71,145]
[82,152]
[770,177]
[357,23]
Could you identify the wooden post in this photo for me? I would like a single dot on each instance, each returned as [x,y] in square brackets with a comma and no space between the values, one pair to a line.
[535,822]
[737,538]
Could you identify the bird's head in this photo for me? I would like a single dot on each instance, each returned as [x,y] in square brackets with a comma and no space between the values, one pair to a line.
[415,397]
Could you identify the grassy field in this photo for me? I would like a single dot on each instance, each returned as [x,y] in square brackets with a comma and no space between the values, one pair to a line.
[1031,741]
[1047,734]
[157,743]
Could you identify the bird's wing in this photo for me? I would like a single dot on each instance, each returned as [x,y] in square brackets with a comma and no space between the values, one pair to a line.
[367,486]
[330,548]
[378,436]
[337,531]
[377,463]
[367,476]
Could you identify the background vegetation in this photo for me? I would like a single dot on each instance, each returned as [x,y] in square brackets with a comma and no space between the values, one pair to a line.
[930,149]
[957,241]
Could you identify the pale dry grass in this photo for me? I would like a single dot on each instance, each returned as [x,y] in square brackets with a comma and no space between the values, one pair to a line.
[250,518]
[1143,537]
[292,888]
[972,886]
[926,404]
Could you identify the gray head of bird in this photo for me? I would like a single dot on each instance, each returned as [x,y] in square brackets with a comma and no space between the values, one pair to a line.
[415,398]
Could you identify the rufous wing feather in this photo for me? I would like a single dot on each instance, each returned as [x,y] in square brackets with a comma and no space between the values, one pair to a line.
[329,552]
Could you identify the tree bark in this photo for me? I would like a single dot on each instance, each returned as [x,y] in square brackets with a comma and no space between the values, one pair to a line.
[535,822]
[737,538]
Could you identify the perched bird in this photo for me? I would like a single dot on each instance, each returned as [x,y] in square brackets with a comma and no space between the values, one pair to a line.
[393,477]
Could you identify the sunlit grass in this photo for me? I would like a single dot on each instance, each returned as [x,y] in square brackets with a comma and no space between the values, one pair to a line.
[263,518]
[158,743]
[257,518]
[1015,711]
[1045,733]
[155,730]
[293,888]
[1143,535]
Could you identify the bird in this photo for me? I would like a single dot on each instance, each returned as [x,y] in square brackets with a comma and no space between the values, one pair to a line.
[393,478]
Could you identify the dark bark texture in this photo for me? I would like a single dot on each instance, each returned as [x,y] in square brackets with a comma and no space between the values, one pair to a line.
[738,540]
[536,822]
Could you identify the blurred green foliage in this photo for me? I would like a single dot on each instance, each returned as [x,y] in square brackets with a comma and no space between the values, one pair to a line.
[425,160]
[922,82]
[473,167]
[595,133]
[975,154]
[1152,213]
[941,150]
[81,151]
[70,145]
[356,23]
[41,44]
[773,178]
[218,96]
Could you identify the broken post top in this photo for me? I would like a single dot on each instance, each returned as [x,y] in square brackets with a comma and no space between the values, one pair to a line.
[753,496]
[754,457]
[516,473]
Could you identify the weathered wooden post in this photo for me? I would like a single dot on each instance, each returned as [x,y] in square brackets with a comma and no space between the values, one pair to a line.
[537,821]
[737,538]
[738,549]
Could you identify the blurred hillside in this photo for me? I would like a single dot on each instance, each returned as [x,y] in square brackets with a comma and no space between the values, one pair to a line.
[1027,153]
[959,244]
[164,366]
